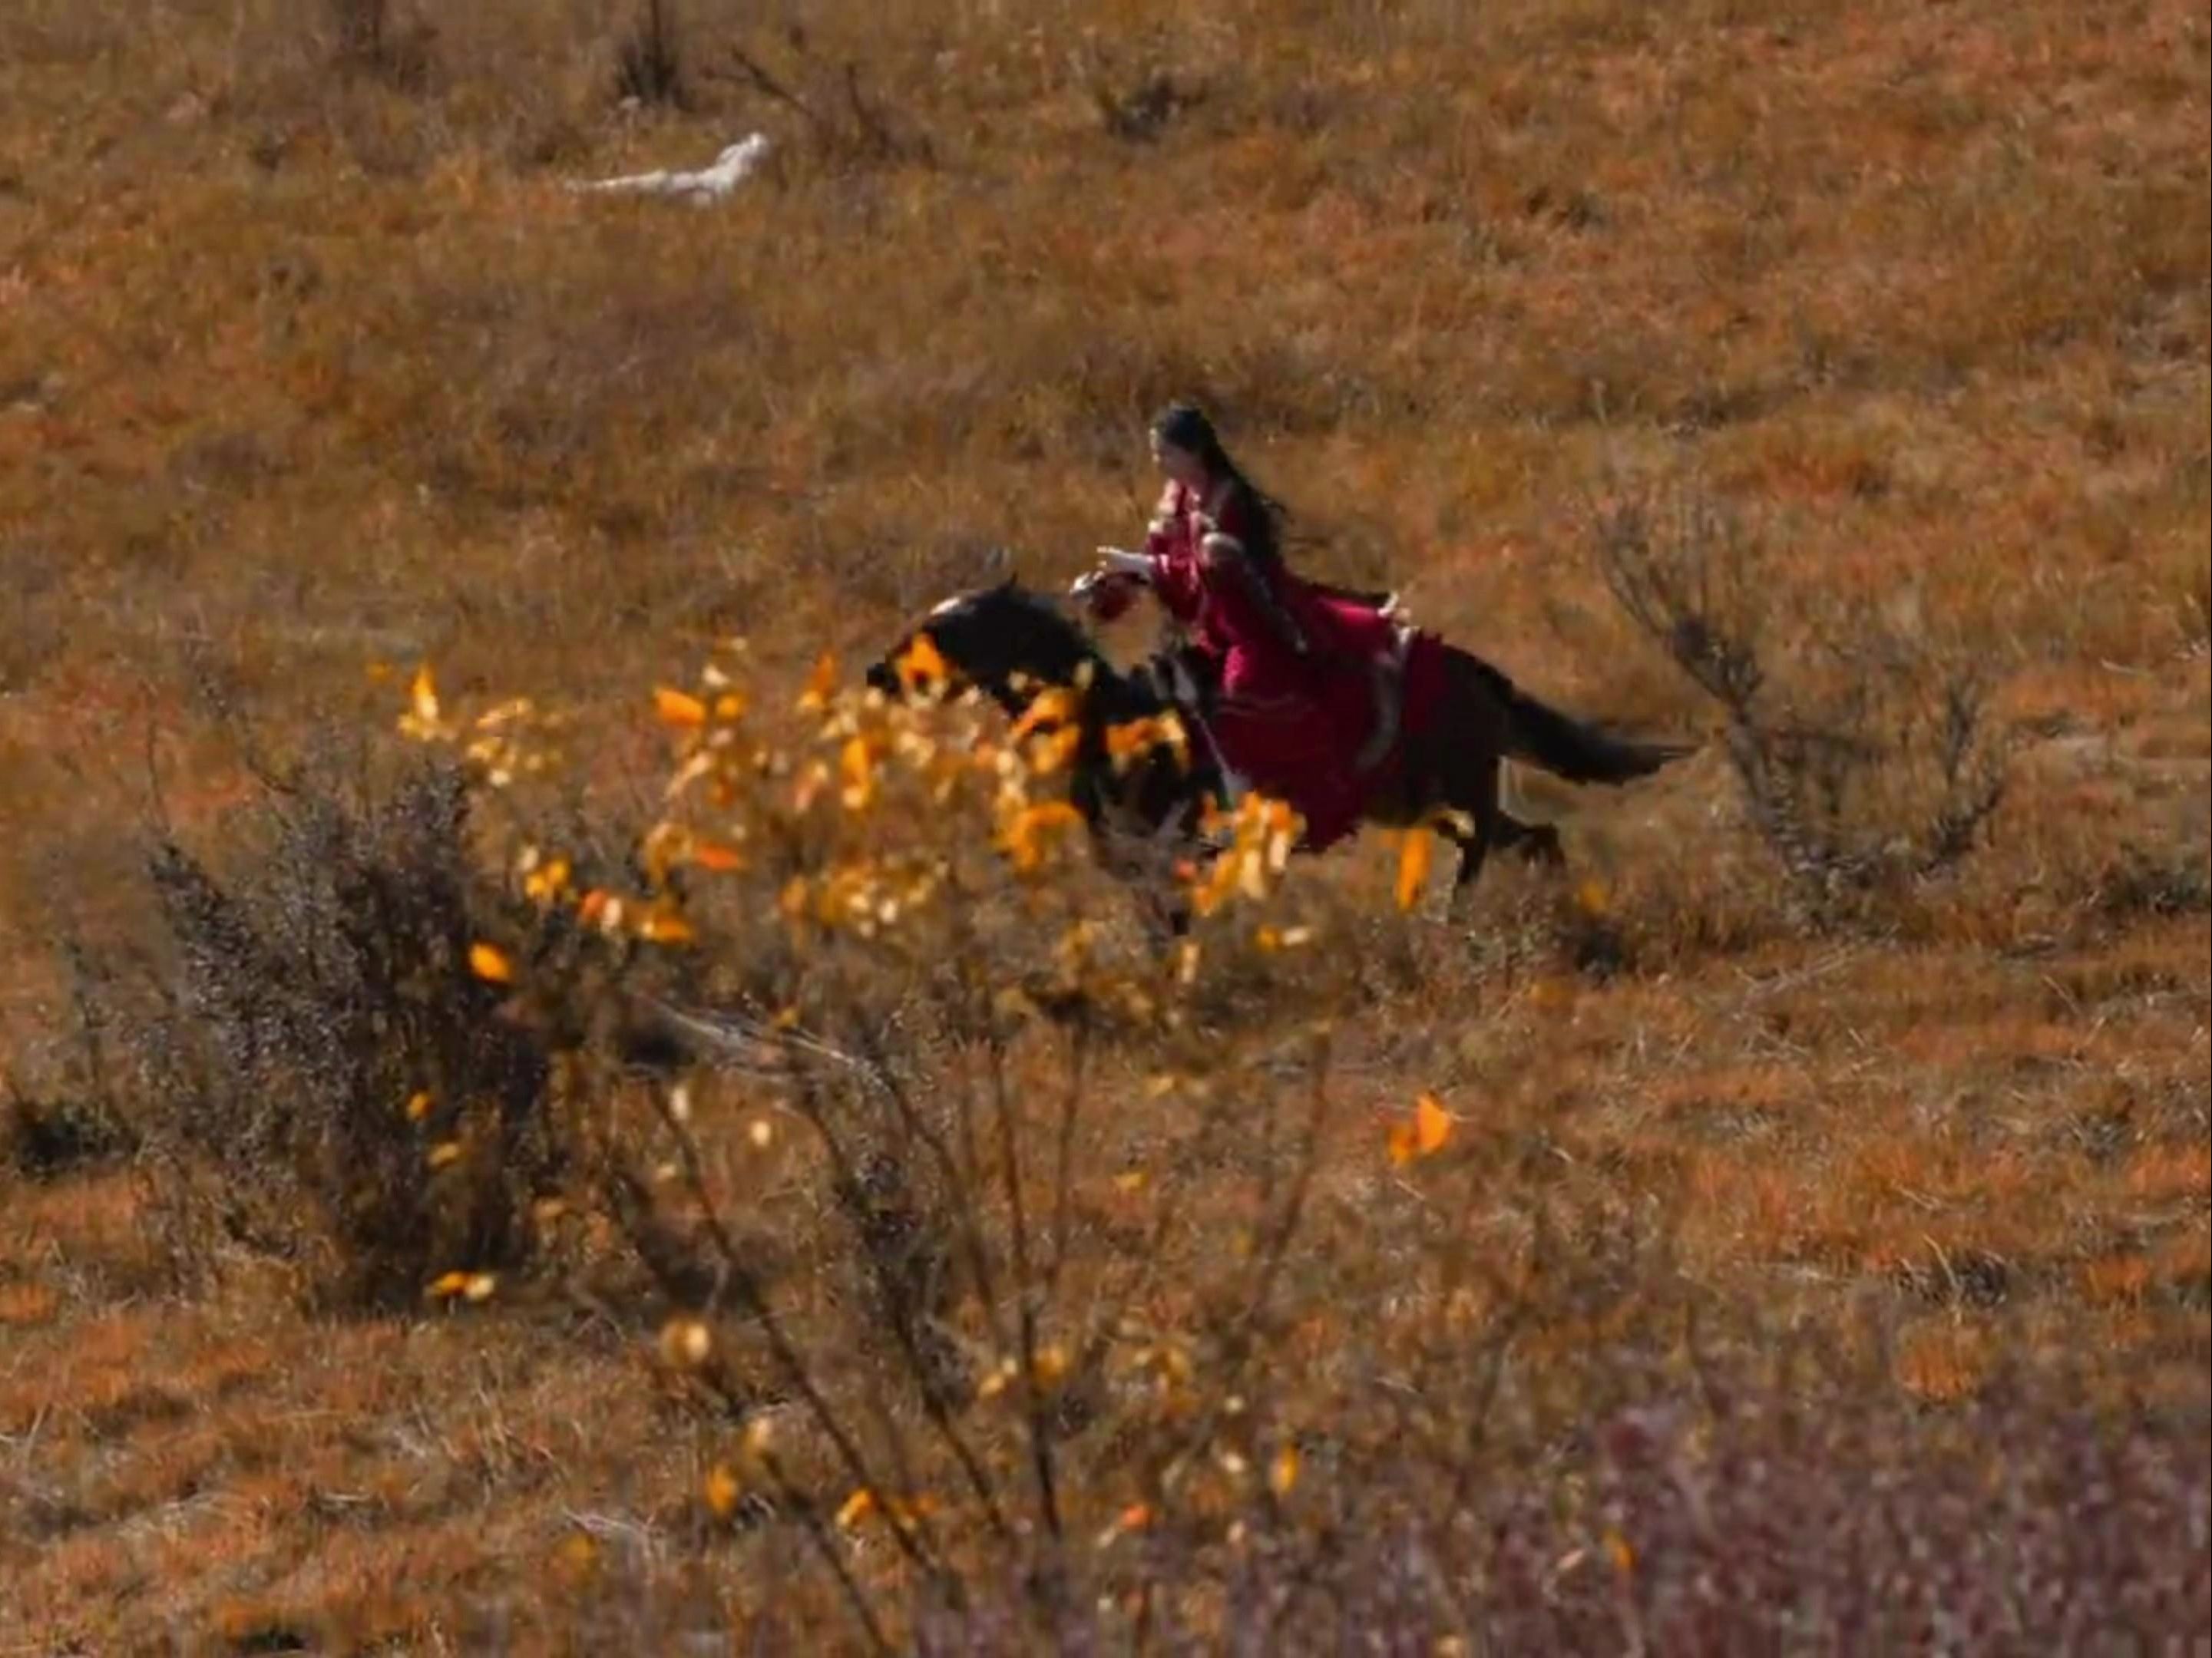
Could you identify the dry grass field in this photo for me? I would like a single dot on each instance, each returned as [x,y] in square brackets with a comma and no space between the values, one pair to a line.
[1807,1242]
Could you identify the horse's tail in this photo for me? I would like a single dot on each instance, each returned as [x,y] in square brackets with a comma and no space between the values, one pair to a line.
[1570,748]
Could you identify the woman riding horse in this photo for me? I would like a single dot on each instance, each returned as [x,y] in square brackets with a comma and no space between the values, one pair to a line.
[1308,676]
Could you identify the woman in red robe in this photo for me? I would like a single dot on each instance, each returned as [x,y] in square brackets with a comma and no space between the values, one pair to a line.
[1308,674]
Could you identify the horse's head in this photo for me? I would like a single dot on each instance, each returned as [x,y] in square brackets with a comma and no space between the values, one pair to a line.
[993,637]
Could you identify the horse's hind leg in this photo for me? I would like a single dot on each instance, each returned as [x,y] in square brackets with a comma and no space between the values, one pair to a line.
[1538,842]
[1487,822]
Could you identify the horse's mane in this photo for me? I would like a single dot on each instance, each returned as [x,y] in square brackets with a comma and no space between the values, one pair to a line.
[1040,605]
[1138,690]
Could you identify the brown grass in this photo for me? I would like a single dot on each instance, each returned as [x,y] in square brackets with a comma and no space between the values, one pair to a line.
[308,364]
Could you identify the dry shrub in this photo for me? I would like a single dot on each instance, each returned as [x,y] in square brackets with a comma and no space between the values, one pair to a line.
[649,62]
[311,1064]
[894,1235]
[825,1074]
[962,1340]
[1870,762]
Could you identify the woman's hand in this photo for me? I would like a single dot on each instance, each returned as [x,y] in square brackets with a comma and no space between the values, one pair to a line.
[1116,560]
[1107,594]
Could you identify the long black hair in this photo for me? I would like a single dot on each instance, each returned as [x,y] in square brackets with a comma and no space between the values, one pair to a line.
[1185,426]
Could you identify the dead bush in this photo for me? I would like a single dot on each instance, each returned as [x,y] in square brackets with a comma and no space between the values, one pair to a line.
[1874,763]
[316,1072]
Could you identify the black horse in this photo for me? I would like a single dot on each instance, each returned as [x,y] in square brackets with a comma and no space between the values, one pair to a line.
[1011,643]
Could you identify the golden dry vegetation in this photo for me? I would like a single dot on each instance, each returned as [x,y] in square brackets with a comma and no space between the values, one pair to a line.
[311,370]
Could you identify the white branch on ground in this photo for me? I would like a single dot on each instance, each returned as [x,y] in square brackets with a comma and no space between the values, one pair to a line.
[703,188]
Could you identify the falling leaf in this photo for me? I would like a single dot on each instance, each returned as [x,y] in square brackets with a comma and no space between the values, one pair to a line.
[1432,1124]
[547,881]
[820,685]
[858,762]
[490,964]
[1412,866]
[1056,751]
[1424,1135]
[678,708]
[579,1552]
[424,695]
[1049,708]
[685,1342]
[665,927]
[722,1491]
[1282,1476]
[1025,839]
[922,665]
[514,708]
[1135,1517]
[715,856]
[418,1105]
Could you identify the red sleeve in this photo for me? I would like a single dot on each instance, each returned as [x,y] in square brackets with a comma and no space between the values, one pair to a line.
[1160,533]
[1174,578]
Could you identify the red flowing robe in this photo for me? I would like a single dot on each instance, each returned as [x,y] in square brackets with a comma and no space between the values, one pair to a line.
[1293,714]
